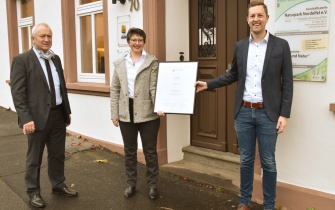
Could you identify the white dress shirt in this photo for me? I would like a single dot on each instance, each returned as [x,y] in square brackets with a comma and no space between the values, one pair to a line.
[256,56]
[55,76]
[132,70]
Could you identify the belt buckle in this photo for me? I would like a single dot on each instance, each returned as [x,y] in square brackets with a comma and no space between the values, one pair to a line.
[251,105]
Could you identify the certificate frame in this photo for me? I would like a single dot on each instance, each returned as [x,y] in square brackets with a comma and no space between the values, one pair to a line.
[175,91]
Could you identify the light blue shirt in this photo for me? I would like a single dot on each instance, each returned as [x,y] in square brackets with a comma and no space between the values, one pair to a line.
[55,76]
[132,70]
[253,83]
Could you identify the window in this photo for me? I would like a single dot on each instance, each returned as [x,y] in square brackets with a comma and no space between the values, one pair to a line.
[90,41]
[91,17]
[25,23]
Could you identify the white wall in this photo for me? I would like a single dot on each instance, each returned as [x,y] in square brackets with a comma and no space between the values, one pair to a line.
[46,11]
[50,12]
[177,40]
[305,152]
[136,20]
[91,115]
[5,95]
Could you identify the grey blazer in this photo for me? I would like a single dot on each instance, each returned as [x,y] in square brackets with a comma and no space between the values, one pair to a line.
[277,77]
[144,91]
[30,90]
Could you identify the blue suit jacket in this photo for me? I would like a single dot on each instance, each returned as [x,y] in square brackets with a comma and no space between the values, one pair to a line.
[277,77]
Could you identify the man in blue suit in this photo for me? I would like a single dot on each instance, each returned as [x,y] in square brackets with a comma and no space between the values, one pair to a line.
[262,66]
[40,98]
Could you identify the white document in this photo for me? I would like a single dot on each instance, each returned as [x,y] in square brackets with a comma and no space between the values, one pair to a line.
[175,92]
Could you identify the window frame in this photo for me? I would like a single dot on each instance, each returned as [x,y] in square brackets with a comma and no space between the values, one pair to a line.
[70,62]
[26,22]
[89,9]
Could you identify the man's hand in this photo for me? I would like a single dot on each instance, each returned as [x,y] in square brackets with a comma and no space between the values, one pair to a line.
[281,125]
[29,128]
[200,86]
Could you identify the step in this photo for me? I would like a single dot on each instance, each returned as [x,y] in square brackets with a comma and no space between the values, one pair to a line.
[224,160]
[217,169]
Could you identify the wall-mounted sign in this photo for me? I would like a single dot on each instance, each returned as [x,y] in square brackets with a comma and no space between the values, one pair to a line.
[305,25]
[123,24]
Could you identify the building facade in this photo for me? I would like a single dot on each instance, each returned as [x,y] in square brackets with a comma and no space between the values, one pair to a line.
[88,35]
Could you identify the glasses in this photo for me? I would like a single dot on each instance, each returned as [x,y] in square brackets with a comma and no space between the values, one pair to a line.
[137,40]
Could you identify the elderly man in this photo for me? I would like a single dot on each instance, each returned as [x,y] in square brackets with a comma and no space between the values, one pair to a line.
[40,98]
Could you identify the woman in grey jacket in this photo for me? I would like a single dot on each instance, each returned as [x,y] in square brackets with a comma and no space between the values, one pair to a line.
[132,105]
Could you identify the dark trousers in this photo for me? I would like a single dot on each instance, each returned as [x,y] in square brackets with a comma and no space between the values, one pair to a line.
[53,136]
[149,132]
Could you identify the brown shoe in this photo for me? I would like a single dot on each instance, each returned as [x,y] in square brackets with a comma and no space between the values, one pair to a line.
[243,207]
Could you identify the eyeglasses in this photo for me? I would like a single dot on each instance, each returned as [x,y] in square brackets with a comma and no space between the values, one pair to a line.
[137,40]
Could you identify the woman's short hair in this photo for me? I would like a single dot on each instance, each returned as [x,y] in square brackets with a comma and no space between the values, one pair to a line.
[136,31]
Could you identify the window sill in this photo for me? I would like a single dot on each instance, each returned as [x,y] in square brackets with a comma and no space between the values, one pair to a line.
[332,107]
[84,88]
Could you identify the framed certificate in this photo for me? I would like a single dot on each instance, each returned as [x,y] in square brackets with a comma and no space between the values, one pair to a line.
[175,92]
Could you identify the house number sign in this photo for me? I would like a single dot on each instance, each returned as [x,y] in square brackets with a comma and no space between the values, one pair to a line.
[135,4]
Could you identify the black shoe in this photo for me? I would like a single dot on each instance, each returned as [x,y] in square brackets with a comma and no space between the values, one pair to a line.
[153,193]
[37,201]
[65,191]
[130,191]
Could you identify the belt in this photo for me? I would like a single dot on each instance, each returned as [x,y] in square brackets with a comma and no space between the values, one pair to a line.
[257,105]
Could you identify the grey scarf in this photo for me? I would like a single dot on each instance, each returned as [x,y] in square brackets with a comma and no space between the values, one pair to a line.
[49,54]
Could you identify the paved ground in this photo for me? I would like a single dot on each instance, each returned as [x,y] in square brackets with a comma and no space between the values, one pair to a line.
[100,185]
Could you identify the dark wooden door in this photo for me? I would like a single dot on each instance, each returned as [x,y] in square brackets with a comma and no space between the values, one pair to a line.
[215,26]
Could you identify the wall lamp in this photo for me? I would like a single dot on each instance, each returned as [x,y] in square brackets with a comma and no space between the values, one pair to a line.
[121,1]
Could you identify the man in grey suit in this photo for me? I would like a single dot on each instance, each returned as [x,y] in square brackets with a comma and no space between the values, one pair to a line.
[262,66]
[40,98]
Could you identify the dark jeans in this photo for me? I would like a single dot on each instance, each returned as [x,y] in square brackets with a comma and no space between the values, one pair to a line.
[251,124]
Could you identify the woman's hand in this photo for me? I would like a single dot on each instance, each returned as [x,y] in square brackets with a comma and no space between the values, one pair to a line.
[160,113]
[115,122]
